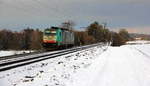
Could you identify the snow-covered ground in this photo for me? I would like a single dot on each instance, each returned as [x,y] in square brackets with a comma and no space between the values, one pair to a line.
[127,65]
[139,42]
[12,52]
[53,72]
[118,66]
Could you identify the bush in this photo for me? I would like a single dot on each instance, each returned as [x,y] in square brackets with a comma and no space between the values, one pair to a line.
[117,39]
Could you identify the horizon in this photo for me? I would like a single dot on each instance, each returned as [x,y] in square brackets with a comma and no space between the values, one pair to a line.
[130,30]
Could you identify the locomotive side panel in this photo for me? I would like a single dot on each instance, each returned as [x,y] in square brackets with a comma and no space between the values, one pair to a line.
[67,37]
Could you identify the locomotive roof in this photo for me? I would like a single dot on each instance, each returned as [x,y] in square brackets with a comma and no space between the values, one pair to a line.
[59,28]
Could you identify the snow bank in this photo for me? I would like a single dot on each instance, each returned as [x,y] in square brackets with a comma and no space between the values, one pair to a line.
[128,65]
[53,72]
[138,42]
[9,53]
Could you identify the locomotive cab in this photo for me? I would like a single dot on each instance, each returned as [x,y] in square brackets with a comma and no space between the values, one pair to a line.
[52,37]
[49,36]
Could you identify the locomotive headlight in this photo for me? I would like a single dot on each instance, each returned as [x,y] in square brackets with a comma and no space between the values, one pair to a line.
[45,38]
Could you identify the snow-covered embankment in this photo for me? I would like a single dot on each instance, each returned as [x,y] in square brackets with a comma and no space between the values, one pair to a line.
[58,71]
[128,65]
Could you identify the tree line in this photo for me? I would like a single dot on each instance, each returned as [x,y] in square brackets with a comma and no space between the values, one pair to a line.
[23,40]
[31,39]
[96,32]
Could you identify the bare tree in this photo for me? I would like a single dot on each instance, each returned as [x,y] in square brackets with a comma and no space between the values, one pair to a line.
[36,40]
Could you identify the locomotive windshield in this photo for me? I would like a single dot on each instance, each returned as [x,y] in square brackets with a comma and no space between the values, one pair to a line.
[50,32]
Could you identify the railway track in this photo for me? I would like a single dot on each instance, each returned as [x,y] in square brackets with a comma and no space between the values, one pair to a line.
[10,63]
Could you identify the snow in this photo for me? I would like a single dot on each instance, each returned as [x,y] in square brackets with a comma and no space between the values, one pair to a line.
[118,66]
[139,42]
[127,65]
[9,53]
[53,72]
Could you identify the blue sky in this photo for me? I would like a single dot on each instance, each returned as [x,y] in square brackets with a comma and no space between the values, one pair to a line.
[133,15]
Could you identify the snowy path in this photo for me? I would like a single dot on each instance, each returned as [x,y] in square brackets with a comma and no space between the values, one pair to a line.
[119,66]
